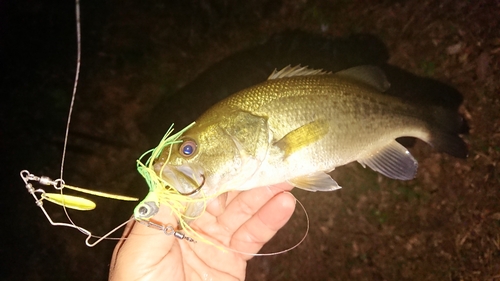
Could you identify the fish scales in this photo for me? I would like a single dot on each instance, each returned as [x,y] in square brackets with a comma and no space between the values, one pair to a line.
[345,108]
[293,102]
[298,126]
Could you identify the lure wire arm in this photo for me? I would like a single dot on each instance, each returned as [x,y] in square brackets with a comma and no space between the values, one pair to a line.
[59,185]
[28,178]
[167,230]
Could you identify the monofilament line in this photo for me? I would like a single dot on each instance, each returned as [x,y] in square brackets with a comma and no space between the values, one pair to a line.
[77,74]
[73,202]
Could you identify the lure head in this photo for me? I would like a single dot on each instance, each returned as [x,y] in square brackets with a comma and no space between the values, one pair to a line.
[147,208]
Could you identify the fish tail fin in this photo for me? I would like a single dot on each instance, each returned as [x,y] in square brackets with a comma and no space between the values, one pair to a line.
[444,134]
[449,143]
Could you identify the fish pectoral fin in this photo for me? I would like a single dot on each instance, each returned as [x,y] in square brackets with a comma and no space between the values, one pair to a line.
[368,75]
[315,182]
[393,161]
[302,137]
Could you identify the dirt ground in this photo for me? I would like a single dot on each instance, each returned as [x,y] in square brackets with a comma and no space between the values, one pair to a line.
[443,225]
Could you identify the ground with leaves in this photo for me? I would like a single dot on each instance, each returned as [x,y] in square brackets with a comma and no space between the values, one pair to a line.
[443,225]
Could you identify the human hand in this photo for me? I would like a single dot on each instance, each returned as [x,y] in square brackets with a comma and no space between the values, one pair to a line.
[250,219]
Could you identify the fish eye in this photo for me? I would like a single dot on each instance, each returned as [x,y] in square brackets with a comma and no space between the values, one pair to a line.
[188,148]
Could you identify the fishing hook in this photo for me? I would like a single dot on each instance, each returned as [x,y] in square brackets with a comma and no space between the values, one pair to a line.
[197,189]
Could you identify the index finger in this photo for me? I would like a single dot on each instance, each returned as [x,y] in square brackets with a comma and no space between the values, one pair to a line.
[246,204]
[261,227]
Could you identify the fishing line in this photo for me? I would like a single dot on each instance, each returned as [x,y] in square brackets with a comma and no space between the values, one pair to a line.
[160,192]
[69,201]
[75,84]
[282,251]
[72,102]
[66,137]
[159,188]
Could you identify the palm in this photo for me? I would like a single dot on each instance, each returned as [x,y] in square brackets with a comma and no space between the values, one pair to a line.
[248,221]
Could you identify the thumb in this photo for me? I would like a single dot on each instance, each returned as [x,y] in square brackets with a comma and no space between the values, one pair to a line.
[141,247]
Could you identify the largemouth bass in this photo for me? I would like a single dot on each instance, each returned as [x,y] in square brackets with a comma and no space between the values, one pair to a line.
[297,127]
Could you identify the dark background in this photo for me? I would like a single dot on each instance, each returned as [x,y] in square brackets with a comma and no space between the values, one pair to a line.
[141,59]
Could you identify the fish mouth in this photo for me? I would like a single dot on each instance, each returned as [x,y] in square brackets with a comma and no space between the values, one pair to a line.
[186,179]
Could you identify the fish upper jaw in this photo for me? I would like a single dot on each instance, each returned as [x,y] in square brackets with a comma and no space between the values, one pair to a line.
[187,179]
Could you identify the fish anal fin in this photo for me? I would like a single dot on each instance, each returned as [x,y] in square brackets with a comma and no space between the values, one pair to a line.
[320,181]
[302,137]
[368,75]
[393,161]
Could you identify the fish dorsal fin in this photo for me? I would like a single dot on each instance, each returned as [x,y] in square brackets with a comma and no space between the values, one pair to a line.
[393,161]
[298,70]
[366,74]
[302,137]
[319,181]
